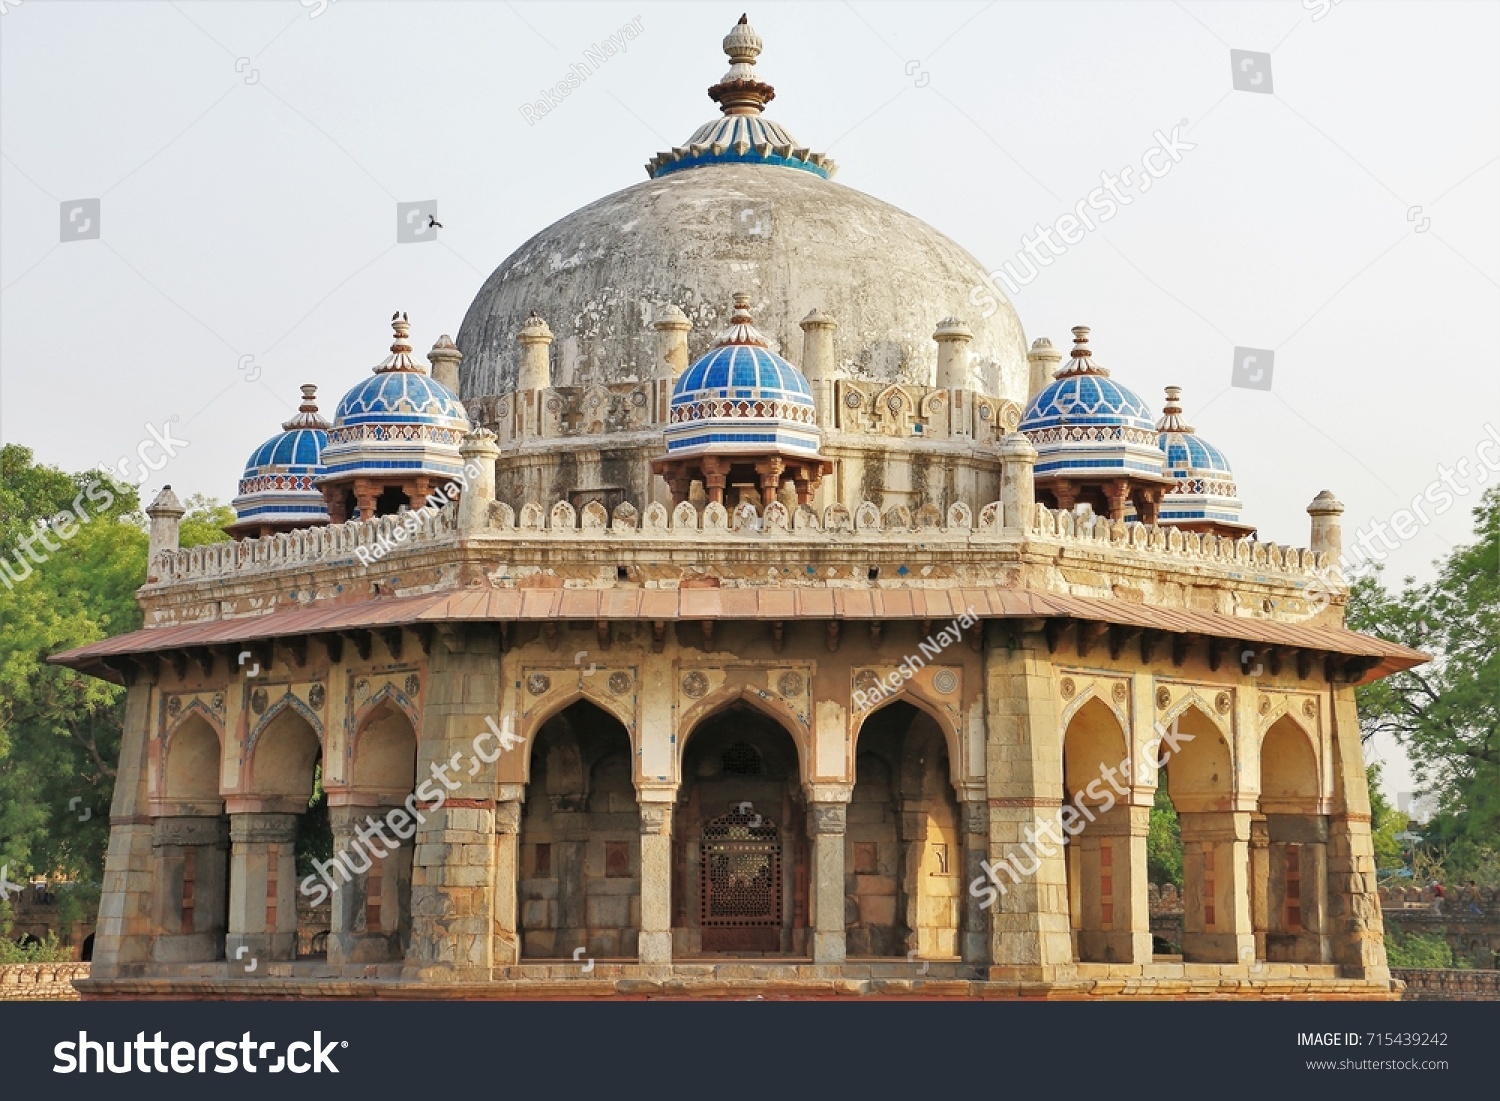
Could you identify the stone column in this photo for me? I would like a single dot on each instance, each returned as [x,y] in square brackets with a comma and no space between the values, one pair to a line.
[672,330]
[911,836]
[1297,873]
[1261,889]
[445,358]
[366,911]
[1354,921]
[508,874]
[818,365]
[973,944]
[827,823]
[166,514]
[124,932]
[535,338]
[655,941]
[1043,360]
[1116,844]
[478,449]
[1327,528]
[190,856]
[1027,887]
[452,896]
[1216,893]
[262,888]
[1017,483]
[953,339]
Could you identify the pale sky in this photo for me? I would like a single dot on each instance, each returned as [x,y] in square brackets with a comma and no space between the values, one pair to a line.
[248,158]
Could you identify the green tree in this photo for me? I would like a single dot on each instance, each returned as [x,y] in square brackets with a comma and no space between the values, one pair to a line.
[1446,713]
[66,581]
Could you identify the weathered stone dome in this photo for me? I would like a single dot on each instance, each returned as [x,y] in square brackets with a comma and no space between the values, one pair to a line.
[692,239]
[740,207]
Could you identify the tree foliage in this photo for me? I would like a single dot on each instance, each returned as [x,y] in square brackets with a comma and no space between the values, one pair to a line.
[1164,841]
[1446,714]
[59,729]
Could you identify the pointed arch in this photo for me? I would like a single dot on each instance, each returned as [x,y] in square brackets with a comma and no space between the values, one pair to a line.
[692,720]
[383,753]
[952,737]
[192,759]
[1289,776]
[1094,740]
[283,751]
[390,692]
[532,723]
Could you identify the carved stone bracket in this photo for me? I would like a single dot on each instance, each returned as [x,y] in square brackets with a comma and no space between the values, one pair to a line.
[656,818]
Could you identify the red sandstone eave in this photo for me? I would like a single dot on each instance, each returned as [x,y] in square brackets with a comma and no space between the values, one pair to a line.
[937,605]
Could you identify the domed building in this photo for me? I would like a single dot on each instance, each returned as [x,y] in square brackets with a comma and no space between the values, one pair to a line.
[767,645]
[278,491]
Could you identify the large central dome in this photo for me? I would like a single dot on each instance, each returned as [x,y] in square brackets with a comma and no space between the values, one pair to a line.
[721,217]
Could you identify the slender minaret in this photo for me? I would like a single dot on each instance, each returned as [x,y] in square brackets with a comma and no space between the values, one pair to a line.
[672,330]
[445,358]
[1327,528]
[818,365]
[536,344]
[1043,359]
[479,450]
[1017,482]
[953,339]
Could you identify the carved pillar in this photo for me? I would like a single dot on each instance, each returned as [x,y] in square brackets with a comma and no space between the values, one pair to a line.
[911,833]
[655,942]
[372,894]
[1297,895]
[122,943]
[1260,883]
[1114,923]
[1117,493]
[770,471]
[507,874]
[189,905]
[262,888]
[715,477]
[366,493]
[973,943]
[1216,893]
[827,824]
[1354,922]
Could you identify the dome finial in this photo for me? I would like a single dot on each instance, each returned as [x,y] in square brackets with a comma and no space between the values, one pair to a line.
[1171,420]
[741,329]
[400,358]
[1082,362]
[740,91]
[307,413]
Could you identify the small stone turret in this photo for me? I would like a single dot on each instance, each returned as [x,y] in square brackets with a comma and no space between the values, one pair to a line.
[166,514]
[1043,359]
[480,450]
[953,339]
[1327,528]
[672,330]
[445,358]
[1017,482]
[535,339]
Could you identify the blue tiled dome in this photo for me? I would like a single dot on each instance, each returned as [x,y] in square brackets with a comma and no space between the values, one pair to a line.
[278,490]
[1188,453]
[1086,399]
[296,451]
[1204,492]
[742,371]
[404,397]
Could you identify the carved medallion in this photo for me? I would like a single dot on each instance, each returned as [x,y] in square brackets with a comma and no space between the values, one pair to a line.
[985,412]
[361,688]
[502,410]
[1163,698]
[638,398]
[1067,688]
[790,685]
[854,399]
[1223,702]
[554,405]
[1120,692]
[538,684]
[1310,708]
[174,705]
[258,700]
[694,685]
[316,696]
[866,679]
[619,683]
[1265,705]
[413,684]
[894,403]
[945,681]
[218,702]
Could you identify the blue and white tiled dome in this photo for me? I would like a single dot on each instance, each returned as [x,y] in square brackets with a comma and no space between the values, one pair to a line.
[1204,492]
[278,490]
[740,397]
[1086,425]
[743,135]
[402,423]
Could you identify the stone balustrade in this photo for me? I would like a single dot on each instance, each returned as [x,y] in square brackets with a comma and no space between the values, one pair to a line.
[40,982]
[561,520]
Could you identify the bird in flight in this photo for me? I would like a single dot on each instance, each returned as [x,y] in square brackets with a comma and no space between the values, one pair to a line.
[433,223]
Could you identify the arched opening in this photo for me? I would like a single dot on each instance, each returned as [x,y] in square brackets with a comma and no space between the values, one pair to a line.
[740,868]
[580,884]
[392,500]
[1104,835]
[1199,772]
[370,917]
[191,848]
[903,860]
[284,848]
[1289,850]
